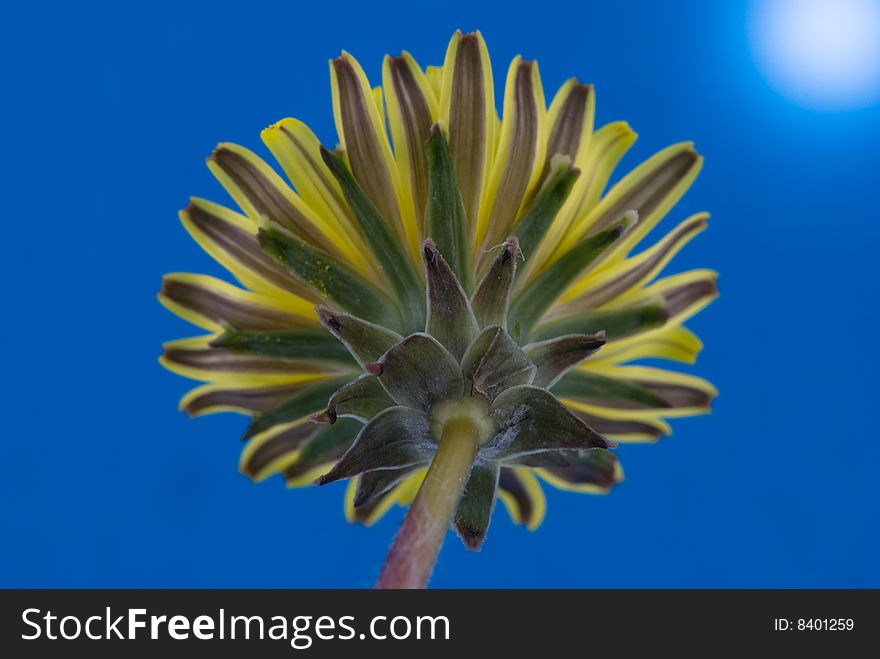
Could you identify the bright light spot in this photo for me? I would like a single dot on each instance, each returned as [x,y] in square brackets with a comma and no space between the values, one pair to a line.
[824,54]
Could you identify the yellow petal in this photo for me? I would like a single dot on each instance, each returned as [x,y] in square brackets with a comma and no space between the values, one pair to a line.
[519,159]
[605,149]
[684,295]
[213,304]
[298,152]
[651,189]
[261,193]
[603,285]
[213,397]
[522,496]
[361,129]
[412,110]
[467,107]
[651,418]
[231,239]
[673,342]
[195,358]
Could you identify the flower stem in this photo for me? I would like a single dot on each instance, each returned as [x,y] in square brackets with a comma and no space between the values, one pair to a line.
[417,545]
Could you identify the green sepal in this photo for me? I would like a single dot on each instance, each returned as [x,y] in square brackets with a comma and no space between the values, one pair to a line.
[446,220]
[323,448]
[306,402]
[491,299]
[398,437]
[616,323]
[391,257]
[529,306]
[475,508]
[494,362]
[360,399]
[419,372]
[331,278]
[554,357]
[315,344]
[593,386]
[530,420]
[366,341]
[450,318]
[376,483]
[536,221]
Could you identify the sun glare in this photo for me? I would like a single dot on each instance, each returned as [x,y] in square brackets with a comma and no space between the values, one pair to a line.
[823,54]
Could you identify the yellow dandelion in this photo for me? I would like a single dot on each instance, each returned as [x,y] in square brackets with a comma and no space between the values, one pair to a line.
[445,308]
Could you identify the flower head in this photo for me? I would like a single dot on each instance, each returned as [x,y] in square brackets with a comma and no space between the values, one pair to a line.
[469,269]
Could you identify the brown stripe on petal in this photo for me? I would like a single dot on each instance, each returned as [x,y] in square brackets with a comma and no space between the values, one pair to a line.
[226,310]
[244,248]
[266,197]
[509,482]
[278,446]
[649,192]
[362,144]
[618,427]
[255,399]
[416,120]
[678,299]
[520,158]
[678,395]
[627,279]
[219,359]
[597,468]
[469,116]
[568,128]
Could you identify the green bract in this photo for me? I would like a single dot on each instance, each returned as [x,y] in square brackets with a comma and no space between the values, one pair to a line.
[458,368]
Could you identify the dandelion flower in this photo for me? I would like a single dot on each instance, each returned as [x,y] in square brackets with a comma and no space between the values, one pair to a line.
[445,309]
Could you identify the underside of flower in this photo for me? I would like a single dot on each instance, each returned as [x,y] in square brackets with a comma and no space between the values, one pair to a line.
[473,284]
[459,371]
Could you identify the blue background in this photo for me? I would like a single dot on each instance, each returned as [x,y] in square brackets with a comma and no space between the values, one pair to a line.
[107,114]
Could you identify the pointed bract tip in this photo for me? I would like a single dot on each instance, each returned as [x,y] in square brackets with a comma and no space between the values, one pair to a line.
[327,156]
[327,417]
[327,318]
[600,335]
[630,218]
[429,248]
[509,249]
[472,542]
